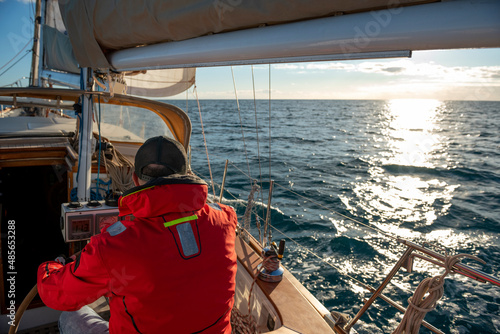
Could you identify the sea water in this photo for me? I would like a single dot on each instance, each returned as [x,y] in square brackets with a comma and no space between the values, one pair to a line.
[424,170]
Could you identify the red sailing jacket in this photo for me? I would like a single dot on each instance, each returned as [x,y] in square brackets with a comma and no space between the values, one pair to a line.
[169,270]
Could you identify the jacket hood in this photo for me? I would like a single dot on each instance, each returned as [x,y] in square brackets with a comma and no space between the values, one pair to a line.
[170,194]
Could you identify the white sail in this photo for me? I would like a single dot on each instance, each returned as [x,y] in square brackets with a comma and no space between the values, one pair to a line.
[60,66]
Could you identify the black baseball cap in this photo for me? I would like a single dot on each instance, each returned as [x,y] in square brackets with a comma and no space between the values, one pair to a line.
[162,151]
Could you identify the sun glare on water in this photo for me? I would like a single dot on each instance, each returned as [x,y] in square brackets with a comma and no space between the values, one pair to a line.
[411,131]
[403,185]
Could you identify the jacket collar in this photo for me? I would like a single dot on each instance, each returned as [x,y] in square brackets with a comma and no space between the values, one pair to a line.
[175,193]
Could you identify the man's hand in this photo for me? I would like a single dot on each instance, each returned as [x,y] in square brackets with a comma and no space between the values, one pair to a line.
[62,259]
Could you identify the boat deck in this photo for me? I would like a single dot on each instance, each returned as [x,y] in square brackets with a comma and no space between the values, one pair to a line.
[287,296]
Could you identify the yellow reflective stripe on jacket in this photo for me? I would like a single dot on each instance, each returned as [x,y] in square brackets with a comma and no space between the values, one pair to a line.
[135,192]
[180,220]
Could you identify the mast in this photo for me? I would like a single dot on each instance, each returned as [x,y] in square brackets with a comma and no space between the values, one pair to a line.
[35,58]
[85,149]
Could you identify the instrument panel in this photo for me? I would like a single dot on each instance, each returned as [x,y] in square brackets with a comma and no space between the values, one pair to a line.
[80,221]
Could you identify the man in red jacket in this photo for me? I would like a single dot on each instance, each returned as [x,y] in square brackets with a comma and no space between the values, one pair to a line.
[168,266]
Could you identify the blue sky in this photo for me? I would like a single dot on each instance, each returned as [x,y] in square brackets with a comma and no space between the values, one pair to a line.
[443,75]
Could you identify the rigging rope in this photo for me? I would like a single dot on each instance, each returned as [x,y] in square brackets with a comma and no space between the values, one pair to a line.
[27,53]
[241,124]
[257,136]
[267,232]
[17,54]
[204,140]
[296,242]
[269,122]
[420,303]
[340,214]
[248,211]
[242,172]
[256,126]
[319,257]
[245,323]
[387,234]
[319,204]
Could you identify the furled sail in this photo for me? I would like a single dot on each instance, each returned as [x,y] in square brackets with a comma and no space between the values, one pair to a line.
[135,35]
[97,28]
[61,67]
[161,83]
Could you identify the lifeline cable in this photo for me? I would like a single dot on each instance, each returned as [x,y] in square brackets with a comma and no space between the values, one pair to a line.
[418,305]
[342,215]
[308,250]
[387,234]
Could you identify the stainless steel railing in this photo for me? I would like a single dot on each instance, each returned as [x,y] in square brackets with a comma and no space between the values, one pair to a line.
[406,260]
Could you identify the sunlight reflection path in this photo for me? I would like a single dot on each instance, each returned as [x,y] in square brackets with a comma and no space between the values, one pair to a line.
[403,185]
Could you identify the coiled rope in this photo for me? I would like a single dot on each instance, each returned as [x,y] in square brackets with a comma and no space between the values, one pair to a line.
[119,169]
[426,296]
[248,211]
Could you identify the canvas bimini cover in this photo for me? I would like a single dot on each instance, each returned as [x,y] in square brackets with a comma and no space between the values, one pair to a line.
[59,57]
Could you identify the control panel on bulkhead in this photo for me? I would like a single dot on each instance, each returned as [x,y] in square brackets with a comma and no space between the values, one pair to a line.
[81,220]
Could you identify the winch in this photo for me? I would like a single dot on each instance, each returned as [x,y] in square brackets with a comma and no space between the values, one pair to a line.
[271,271]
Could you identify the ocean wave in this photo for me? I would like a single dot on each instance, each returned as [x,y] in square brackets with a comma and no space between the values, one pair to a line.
[469,174]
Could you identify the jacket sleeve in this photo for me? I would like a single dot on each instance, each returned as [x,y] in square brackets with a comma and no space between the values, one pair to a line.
[69,287]
[232,219]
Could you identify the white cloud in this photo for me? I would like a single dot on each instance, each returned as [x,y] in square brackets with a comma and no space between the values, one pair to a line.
[430,90]
[369,79]
[432,71]
[331,66]
[405,68]
[287,67]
